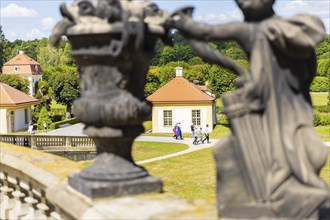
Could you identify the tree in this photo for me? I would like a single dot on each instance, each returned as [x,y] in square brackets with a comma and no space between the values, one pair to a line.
[65,85]
[42,94]
[152,81]
[167,72]
[43,117]
[16,81]
[323,66]
[3,42]
[51,56]
[323,47]
[221,80]
[181,52]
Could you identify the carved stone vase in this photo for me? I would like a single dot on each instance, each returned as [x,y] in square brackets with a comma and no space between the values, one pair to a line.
[112,42]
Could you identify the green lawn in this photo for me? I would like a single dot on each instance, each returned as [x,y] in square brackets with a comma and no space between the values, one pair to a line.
[147,125]
[324,132]
[146,150]
[190,176]
[319,98]
[325,172]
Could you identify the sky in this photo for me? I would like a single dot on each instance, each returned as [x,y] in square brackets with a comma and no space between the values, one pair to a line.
[29,20]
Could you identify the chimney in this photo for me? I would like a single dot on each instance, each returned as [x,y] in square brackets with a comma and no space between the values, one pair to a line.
[178,71]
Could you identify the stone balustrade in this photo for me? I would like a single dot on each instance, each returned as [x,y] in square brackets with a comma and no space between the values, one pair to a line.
[33,185]
[42,141]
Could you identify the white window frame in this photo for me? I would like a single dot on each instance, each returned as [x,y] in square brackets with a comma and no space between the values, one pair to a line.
[167,119]
[196,118]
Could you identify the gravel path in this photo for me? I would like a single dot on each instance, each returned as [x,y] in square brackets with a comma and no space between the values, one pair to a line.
[187,141]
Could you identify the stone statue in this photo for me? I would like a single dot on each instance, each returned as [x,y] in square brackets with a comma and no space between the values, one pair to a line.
[269,166]
[113,43]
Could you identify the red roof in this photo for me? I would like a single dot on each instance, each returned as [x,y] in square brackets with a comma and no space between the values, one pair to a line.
[10,97]
[180,90]
[21,59]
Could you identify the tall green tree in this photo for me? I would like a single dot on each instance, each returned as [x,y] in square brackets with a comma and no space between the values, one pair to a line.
[3,42]
[323,47]
[43,118]
[65,85]
[16,81]
[51,56]
[43,95]
[222,80]
[152,81]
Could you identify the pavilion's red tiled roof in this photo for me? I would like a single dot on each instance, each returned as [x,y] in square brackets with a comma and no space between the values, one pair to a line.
[21,59]
[10,96]
[179,90]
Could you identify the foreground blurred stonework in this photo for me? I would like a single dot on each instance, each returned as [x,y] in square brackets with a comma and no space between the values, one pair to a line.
[34,185]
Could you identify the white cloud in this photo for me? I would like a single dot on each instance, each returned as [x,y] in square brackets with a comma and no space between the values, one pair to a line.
[35,34]
[12,35]
[316,7]
[233,15]
[48,23]
[14,11]
[319,8]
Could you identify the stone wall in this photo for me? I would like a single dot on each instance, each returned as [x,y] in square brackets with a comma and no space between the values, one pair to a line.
[34,186]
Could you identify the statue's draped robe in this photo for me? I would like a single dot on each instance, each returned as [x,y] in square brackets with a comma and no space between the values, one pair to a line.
[282,66]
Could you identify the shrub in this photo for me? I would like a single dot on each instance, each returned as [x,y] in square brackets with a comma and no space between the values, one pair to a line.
[70,121]
[322,108]
[43,117]
[316,119]
[320,84]
[57,114]
[222,119]
[321,119]
[323,67]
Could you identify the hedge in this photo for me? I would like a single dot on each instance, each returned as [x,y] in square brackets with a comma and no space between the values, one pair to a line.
[320,84]
[322,108]
[321,119]
[70,121]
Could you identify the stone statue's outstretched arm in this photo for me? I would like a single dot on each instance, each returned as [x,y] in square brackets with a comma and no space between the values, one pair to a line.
[205,32]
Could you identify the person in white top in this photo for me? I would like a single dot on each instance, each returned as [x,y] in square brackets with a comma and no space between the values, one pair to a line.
[207,138]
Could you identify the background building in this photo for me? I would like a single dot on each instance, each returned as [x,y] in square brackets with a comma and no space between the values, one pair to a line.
[15,109]
[182,101]
[24,66]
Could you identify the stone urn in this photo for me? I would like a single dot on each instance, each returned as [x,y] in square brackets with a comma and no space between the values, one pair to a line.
[113,44]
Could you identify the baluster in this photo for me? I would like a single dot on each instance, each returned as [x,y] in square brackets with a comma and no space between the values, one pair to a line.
[32,202]
[20,208]
[42,212]
[68,141]
[33,142]
[1,196]
[7,203]
[55,216]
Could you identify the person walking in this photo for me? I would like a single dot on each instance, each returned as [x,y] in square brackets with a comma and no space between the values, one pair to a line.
[200,132]
[206,135]
[175,130]
[45,126]
[179,131]
[30,128]
[196,135]
[192,128]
